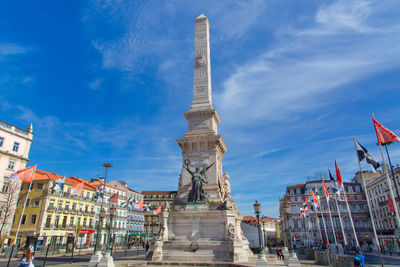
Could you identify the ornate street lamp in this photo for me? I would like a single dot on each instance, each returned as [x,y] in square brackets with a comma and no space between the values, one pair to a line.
[293,260]
[261,256]
[107,260]
[96,257]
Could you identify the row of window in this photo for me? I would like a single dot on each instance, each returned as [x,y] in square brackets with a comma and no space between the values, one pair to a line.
[71,221]
[161,196]
[68,205]
[346,223]
[302,191]
[15,146]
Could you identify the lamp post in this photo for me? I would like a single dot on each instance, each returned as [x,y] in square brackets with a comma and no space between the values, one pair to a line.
[293,260]
[96,257]
[264,226]
[261,261]
[107,260]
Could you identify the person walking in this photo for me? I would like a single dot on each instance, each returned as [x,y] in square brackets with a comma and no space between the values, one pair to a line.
[27,259]
[359,259]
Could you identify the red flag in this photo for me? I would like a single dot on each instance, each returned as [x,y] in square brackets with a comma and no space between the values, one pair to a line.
[383,134]
[78,189]
[157,211]
[139,204]
[314,199]
[325,190]
[113,198]
[338,175]
[24,175]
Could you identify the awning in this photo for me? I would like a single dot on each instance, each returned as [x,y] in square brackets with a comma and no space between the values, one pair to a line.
[85,231]
[139,234]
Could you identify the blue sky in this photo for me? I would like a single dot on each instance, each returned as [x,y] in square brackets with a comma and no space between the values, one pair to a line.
[293,82]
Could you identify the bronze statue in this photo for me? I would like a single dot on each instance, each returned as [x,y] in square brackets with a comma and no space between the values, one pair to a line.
[199,177]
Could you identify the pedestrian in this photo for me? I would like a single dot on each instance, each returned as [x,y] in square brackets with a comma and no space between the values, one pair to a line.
[147,247]
[277,253]
[27,259]
[359,259]
[281,257]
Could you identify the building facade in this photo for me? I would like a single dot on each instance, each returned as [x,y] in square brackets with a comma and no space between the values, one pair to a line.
[135,216]
[56,214]
[15,144]
[117,211]
[383,215]
[152,200]
[269,227]
[299,229]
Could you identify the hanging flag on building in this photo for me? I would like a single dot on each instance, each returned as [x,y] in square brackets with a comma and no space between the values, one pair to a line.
[157,210]
[362,153]
[339,177]
[99,193]
[58,184]
[78,189]
[24,175]
[113,198]
[325,190]
[139,205]
[383,134]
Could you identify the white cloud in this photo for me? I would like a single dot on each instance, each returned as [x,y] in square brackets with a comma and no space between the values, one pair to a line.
[12,49]
[300,70]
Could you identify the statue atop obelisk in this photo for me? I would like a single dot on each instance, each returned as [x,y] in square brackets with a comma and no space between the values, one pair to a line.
[201,145]
[203,223]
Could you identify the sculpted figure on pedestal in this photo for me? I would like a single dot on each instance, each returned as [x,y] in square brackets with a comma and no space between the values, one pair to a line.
[199,177]
[226,192]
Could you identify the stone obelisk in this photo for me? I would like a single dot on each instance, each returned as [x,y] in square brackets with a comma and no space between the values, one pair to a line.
[207,229]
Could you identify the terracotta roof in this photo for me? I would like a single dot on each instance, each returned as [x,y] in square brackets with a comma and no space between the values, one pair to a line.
[130,189]
[296,185]
[43,175]
[97,183]
[249,218]
[75,180]
[157,192]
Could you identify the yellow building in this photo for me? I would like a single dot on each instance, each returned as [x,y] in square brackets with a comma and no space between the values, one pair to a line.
[49,212]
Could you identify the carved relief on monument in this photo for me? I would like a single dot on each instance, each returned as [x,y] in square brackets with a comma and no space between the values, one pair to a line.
[231,231]
[200,63]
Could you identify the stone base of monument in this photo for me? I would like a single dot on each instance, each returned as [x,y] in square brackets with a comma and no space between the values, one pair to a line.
[293,260]
[95,258]
[200,233]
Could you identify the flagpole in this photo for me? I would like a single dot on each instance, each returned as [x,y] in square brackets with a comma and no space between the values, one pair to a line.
[326,231]
[330,215]
[351,218]
[391,168]
[387,177]
[20,219]
[369,208]
[319,225]
[391,188]
[305,227]
[52,228]
[340,220]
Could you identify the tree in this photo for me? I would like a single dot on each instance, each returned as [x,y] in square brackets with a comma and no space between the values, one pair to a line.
[10,194]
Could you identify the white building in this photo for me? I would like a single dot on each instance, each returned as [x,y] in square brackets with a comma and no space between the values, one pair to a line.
[119,225]
[135,217]
[379,195]
[14,151]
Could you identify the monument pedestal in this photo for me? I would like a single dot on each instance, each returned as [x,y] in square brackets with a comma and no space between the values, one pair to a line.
[200,233]
[106,261]
[95,259]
